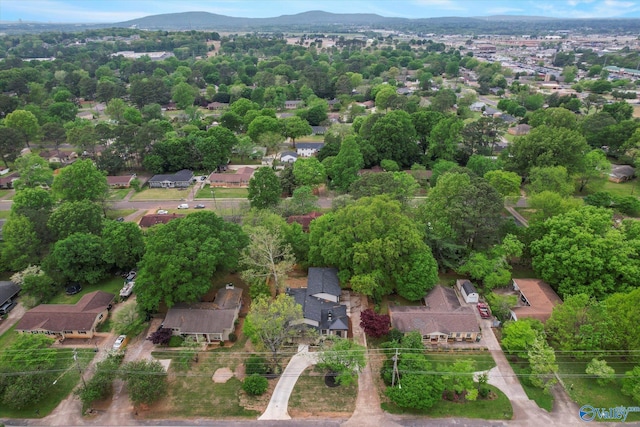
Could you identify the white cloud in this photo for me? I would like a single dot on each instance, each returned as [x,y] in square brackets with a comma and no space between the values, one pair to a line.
[504,11]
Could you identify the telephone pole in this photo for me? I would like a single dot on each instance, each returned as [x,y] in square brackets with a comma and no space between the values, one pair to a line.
[395,370]
[75,358]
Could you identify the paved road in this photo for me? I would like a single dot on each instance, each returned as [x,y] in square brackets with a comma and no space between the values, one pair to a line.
[13,317]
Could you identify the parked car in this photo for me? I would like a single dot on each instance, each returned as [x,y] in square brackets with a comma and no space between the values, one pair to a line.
[120,219]
[127,289]
[183,206]
[162,212]
[199,206]
[121,341]
[73,289]
[7,307]
[132,275]
[484,310]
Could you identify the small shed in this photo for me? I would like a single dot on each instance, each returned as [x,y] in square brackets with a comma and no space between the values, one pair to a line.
[468,291]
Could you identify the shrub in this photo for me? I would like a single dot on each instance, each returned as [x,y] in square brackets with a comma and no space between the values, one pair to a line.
[255,385]
[375,325]
[395,335]
[233,337]
[256,365]
[176,341]
[162,336]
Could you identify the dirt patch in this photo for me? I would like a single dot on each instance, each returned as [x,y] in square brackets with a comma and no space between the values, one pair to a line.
[222,375]
[240,372]
[258,403]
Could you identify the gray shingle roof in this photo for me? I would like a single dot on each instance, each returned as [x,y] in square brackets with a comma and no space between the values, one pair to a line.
[183,175]
[199,321]
[7,291]
[323,280]
[468,287]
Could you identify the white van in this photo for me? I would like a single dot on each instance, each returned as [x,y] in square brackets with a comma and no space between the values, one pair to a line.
[183,206]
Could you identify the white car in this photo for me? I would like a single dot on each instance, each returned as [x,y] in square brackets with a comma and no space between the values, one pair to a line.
[162,212]
[120,342]
[183,206]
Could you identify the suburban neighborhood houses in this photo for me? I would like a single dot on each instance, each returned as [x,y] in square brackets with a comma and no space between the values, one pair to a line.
[320,218]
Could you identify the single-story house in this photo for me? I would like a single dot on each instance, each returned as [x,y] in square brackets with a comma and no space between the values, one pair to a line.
[442,319]
[217,105]
[304,220]
[468,291]
[320,302]
[621,173]
[120,181]
[537,299]
[8,291]
[308,149]
[207,321]
[240,178]
[288,157]
[77,320]
[7,180]
[490,111]
[477,106]
[519,130]
[153,219]
[180,179]
[318,130]
[374,169]
[292,105]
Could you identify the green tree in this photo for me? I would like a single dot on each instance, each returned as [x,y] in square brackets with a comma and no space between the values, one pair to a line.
[394,138]
[599,369]
[115,109]
[542,361]
[123,244]
[272,323]
[75,217]
[21,244]
[183,255]
[546,146]
[414,389]
[81,181]
[183,94]
[34,172]
[344,358]
[267,258]
[309,171]
[264,189]
[371,242]
[27,371]
[100,385]
[346,165]
[458,378]
[518,336]
[547,204]
[77,257]
[261,125]
[215,148]
[295,127]
[444,138]
[255,385]
[128,321]
[10,144]
[595,165]
[24,122]
[506,183]
[555,118]
[551,178]
[146,381]
[631,384]
[482,135]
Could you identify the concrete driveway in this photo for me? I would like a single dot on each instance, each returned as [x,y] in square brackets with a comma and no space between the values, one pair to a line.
[279,403]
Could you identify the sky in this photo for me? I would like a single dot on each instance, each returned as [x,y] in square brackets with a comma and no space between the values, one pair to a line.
[108,11]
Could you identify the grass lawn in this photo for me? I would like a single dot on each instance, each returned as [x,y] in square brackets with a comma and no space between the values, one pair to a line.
[119,194]
[161,194]
[117,213]
[630,188]
[521,368]
[311,396]
[8,337]
[222,193]
[236,160]
[4,192]
[192,393]
[586,391]
[495,409]
[66,377]
[5,214]
[112,284]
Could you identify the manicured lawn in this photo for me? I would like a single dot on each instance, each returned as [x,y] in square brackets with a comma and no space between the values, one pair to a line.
[8,337]
[521,368]
[117,213]
[496,409]
[66,381]
[586,391]
[161,194]
[4,192]
[222,193]
[311,396]
[630,188]
[112,284]
[5,214]
[192,393]
[119,194]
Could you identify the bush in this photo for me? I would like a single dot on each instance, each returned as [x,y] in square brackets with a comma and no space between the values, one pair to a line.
[256,364]
[395,335]
[233,337]
[162,336]
[374,325]
[176,341]
[255,385]
[627,205]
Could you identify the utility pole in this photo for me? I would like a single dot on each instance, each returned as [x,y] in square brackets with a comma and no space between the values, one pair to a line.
[75,358]
[395,370]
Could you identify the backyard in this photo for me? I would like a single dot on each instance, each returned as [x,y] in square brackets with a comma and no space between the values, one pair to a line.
[222,193]
[112,284]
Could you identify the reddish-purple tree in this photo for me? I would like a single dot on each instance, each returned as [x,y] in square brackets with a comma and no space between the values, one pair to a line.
[375,325]
[161,336]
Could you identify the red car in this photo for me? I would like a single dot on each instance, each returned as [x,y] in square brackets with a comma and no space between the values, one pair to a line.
[484,310]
